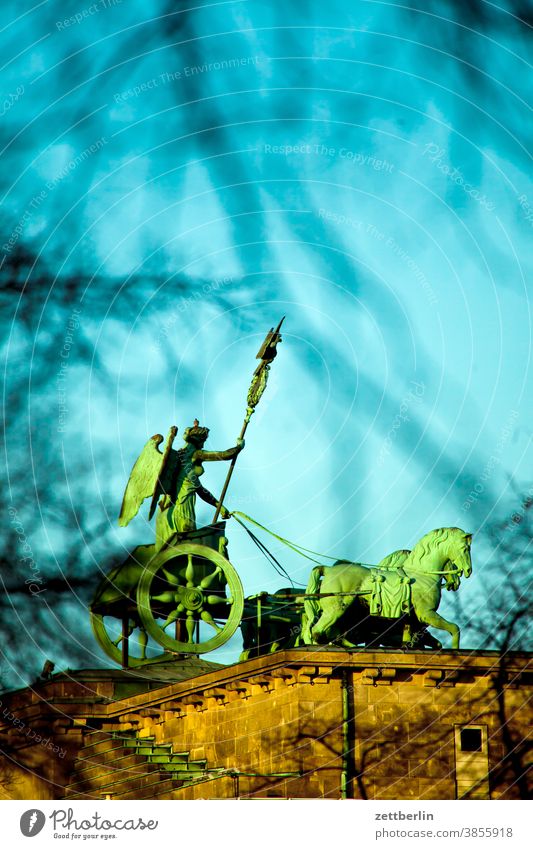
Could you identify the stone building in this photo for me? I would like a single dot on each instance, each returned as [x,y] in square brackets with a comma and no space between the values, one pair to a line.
[325,723]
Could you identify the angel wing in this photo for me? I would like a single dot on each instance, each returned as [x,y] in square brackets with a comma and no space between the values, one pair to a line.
[143,479]
[165,477]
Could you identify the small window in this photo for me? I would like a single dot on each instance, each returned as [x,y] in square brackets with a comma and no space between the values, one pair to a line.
[471,740]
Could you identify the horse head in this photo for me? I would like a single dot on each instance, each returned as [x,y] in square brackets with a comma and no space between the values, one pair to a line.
[444,552]
[460,559]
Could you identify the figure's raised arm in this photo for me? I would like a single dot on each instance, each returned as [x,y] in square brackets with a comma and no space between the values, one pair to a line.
[229,454]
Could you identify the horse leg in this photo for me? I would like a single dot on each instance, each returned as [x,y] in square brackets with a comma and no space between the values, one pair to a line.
[431,617]
[346,643]
[304,638]
[332,610]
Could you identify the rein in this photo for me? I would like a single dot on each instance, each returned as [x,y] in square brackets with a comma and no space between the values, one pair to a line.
[305,552]
[299,549]
[436,572]
[456,571]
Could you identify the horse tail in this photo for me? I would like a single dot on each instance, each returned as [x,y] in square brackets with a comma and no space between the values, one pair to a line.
[311,604]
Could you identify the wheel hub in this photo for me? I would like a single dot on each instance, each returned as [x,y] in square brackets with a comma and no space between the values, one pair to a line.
[192,598]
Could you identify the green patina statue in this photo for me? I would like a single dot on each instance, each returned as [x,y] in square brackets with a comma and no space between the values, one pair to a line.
[184,579]
[172,479]
[404,583]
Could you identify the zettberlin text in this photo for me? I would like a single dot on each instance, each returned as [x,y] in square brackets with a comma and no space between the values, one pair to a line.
[399,815]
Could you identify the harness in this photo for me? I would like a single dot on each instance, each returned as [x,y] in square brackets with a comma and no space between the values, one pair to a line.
[390,598]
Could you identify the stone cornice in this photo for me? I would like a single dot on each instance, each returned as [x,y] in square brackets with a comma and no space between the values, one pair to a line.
[261,674]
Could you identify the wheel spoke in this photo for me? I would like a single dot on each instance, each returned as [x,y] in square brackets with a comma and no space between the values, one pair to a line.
[173,615]
[206,616]
[170,619]
[189,572]
[206,582]
[190,624]
[168,596]
[172,579]
[217,599]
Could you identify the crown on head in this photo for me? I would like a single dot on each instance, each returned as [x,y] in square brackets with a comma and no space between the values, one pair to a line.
[196,432]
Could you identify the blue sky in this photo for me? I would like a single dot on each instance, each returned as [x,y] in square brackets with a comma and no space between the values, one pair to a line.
[361,168]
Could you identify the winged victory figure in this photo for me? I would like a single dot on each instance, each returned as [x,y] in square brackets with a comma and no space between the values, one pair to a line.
[172,479]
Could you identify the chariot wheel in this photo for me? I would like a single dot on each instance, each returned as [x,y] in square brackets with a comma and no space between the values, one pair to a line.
[194,588]
[114,617]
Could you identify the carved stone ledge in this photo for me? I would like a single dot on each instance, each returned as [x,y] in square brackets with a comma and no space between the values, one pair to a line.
[433,677]
[451,677]
[169,715]
[306,675]
[240,688]
[125,726]
[60,724]
[131,719]
[378,676]
[369,676]
[323,675]
[151,713]
[264,682]
[195,701]
[218,694]
[173,708]
[386,676]
[284,677]
[441,678]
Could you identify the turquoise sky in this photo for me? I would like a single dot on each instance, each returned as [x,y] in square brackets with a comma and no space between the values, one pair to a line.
[361,168]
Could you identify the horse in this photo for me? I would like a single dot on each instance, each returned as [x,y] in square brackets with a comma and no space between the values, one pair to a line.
[442,554]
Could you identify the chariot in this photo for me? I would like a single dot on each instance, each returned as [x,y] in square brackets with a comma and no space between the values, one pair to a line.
[185,598]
